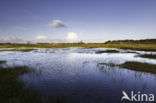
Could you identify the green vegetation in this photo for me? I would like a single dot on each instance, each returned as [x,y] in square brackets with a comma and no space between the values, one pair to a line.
[2,61]
[146,45]
[137,66]
[143,41]
[12,90]
[107,51]
[151,56]
[19,49]
[107,64]
[133,46]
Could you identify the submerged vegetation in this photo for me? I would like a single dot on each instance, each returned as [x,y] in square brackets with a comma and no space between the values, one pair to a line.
[12,90]
[107,64]
[137,66]
[150,56]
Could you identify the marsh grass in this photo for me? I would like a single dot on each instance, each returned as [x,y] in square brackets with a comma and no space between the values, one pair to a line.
[19,49]
[12,90]
[150,56]
[107,51]
[131,52]
[107,64]
[132,65]
[137,66]
[132,46]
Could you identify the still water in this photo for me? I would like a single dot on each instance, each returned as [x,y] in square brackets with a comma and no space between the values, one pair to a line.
[74,75]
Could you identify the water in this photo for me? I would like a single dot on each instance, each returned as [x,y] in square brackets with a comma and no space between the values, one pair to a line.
[74,74]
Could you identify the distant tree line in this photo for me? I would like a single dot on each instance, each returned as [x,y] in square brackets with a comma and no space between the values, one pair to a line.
[143,41]
[128,41]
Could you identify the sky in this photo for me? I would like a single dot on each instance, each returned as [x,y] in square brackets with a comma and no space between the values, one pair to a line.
[74,20]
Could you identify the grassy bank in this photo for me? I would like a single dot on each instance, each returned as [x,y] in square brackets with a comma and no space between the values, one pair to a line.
[107,51]
[18,49]
[137,66]
[145,47]
[150,56]
[12,90]
[132,65]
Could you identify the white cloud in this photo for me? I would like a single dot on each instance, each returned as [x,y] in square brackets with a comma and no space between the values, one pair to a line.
[46,39]
[57,24]
[41,37]
[72,37]
[12,40]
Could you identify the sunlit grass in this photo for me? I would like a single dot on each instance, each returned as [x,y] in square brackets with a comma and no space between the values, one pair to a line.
[145,47]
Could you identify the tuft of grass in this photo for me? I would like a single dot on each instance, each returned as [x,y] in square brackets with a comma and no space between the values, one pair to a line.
[151,56]
[107,64]
[12,90]
[137,66]
[107,51]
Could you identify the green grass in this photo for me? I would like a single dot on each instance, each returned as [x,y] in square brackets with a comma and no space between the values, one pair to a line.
[145,47]
[150,56]
[137,66]
[18,49]
[12,90]
[107,51]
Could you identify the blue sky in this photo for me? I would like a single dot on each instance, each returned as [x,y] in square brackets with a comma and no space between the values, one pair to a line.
[89,20]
